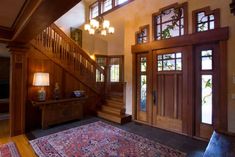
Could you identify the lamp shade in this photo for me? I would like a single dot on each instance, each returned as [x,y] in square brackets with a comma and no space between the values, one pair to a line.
[41,79]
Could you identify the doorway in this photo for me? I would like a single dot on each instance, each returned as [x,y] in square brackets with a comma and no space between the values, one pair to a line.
[4,96]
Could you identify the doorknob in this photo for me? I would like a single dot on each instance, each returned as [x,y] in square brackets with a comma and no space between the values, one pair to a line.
[155,97]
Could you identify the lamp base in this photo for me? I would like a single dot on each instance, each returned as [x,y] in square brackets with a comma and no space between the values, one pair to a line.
[41,95]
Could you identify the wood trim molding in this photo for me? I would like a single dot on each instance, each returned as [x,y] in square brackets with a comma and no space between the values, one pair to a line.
[208,11]
[5,34]
[219,34]
[232,7]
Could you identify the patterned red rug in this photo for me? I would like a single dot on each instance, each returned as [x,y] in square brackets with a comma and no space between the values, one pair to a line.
[100,140]
[9,150]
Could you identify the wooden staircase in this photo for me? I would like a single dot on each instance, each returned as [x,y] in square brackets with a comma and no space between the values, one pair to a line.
[63,51]
[114,110]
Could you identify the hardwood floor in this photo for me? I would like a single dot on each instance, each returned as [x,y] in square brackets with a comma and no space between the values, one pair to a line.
[22,144]
[4,128]
[21,141]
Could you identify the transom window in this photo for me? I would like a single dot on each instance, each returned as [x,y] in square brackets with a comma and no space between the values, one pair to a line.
[107,5]
[170,22]
[102,6]
[170,62]
[205,19]
[94,10]
[142,36]
[118,2]
[204,22]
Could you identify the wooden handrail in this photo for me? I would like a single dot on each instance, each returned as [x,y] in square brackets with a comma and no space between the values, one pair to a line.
[71,41]
[62,50]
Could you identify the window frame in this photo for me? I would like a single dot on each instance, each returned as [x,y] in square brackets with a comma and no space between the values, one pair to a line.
[208,12]
[139,32]
[175,6]
[100,7]
[93,6]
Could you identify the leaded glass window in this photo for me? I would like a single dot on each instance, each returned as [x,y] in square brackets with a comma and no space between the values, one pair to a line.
[169,62]
[205,22]
[143,90]
[143,35]
[169,23]
[143,83]
[206,95]
[206,86]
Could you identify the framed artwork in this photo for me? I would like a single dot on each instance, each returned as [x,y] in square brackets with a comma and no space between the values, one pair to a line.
[76,35]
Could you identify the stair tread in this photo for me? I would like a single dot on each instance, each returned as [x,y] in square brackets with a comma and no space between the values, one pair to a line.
[115,118]
[115,115]
[113,101]
[113,110]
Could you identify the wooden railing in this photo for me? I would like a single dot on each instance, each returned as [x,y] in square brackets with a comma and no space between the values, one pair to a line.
[62,50]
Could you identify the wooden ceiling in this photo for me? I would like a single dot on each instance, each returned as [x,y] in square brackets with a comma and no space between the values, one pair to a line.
[9,11]
[22,20]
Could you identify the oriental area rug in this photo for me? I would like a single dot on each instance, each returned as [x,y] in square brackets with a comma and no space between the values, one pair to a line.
[9,150]
[100,140]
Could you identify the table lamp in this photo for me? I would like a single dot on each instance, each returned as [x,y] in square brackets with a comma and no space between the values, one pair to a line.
[41,80]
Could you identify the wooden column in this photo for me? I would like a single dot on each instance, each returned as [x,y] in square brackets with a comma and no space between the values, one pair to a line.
[18,87]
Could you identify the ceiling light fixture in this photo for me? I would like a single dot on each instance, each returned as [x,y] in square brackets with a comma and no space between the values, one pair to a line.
[99,25]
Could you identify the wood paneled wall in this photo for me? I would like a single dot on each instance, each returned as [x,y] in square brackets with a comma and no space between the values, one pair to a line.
[37,62]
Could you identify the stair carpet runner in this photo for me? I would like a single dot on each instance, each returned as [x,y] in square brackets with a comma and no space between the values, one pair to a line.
[113,110]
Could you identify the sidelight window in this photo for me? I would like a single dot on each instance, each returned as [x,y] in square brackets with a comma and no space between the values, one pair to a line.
[206,86]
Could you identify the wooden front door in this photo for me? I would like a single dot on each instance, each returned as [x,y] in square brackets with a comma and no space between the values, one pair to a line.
[170,88]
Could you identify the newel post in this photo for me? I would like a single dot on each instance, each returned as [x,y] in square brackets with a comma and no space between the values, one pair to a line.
[18,88]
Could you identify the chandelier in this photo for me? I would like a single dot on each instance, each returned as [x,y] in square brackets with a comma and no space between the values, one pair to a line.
[100,26]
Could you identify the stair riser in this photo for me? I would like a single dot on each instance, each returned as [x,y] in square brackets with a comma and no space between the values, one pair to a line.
[113,110]
[110,117]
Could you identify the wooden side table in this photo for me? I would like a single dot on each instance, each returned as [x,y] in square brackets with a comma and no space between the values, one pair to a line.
[59,111]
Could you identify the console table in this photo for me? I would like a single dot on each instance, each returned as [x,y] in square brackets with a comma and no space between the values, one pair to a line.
[59,111]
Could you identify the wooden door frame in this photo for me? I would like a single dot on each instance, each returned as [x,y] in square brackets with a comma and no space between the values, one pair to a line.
[219,36]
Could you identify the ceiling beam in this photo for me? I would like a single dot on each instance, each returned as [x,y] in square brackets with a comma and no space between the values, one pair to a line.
[44,15]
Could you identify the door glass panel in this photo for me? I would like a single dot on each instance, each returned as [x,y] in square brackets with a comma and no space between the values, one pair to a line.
[178,64]
[143,89]
[206,60]
[206,63]
[170,62]
[143,64]
[159,65]
[169,65]
[206,99]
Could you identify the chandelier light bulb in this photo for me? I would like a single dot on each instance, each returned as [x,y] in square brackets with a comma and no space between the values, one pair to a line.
[106,24]
[87,27]
[93,22]
[104,32]
[111,30]
[92,31]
